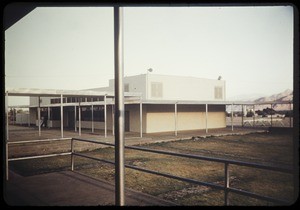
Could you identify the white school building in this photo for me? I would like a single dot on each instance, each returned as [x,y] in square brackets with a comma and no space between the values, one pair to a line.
[153,103]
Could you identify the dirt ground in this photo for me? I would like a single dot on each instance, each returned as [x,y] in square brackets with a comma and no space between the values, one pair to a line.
[262,148]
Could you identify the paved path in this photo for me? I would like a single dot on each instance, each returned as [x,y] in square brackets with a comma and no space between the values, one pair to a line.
[68,188]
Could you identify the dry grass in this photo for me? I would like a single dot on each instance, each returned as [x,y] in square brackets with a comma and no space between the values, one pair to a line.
[267,149]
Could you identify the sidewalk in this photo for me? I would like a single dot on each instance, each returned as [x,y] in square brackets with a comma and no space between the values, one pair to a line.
[68,188]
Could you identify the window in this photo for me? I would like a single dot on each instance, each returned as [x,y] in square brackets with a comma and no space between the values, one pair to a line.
[218,92]
[156,89]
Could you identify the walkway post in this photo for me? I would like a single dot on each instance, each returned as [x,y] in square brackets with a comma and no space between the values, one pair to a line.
[141,118]
[92,116]
[75,118]
[105,117]
[206,109]
[231,116]
[79,119]
[175,116]
[61,116]
[39,116]
[119,108]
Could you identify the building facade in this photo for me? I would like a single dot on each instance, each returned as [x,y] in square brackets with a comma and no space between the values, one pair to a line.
[155,103]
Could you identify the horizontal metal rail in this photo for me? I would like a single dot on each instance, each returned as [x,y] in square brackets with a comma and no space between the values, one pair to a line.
[225,188]
[39,156]
[225,161]
[37,141]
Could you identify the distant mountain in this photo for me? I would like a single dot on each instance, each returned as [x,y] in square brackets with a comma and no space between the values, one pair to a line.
[286,95]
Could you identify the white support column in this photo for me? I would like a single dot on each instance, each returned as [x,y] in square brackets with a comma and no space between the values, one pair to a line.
[92,117]
[61,116]
[28,117]
[141,118]
[79,119]
[175,117]
[48,114]
[242,115]
[206,118]
[290,114]
[105,118]
[271,117]
[113,120]
[232,117]
[253,115]
[39,116]
[75,110]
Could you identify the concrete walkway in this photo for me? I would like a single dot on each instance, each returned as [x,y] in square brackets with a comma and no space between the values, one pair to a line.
[68,188]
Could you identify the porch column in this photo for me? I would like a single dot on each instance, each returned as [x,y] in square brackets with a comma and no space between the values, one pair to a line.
[271,117]
[232,117]
[28,117]
[242,115]
[48,114]
[206,118]
[92,116]
[112,120]
[79,119]
[75,110]
[290,114]
[141,118]
[175,117]
[105,118]
[61,116]
[39,116]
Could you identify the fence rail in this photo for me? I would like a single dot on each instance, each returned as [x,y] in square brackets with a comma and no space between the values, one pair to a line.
[226,187]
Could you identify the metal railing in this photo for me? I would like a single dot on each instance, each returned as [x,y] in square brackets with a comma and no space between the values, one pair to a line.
[226,187]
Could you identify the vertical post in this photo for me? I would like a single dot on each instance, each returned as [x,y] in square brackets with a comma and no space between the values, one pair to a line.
[290,114]
[226,185]
[119,108]
[7,119]
[141,118]
[242,115]
[7,136]
[39,116]
[79,119]
[105,117]
[72,155]
[113,121]
[271,117]
[75,109]
[175,117]
[232,117]
[48,116]
[253,115]
[61,116]
[92,116]
[206,116]
[28,117]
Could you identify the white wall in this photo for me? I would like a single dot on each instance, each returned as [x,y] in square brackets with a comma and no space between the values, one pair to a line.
[186,88]
[174,87]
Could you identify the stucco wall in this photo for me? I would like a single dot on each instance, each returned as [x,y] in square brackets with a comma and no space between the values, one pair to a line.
[189,117]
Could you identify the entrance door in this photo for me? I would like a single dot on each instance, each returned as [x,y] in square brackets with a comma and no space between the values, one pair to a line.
[127,121]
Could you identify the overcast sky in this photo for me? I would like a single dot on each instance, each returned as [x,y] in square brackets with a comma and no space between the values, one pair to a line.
[72,47]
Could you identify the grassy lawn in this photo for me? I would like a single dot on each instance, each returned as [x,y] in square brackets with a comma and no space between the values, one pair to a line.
[268,149]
